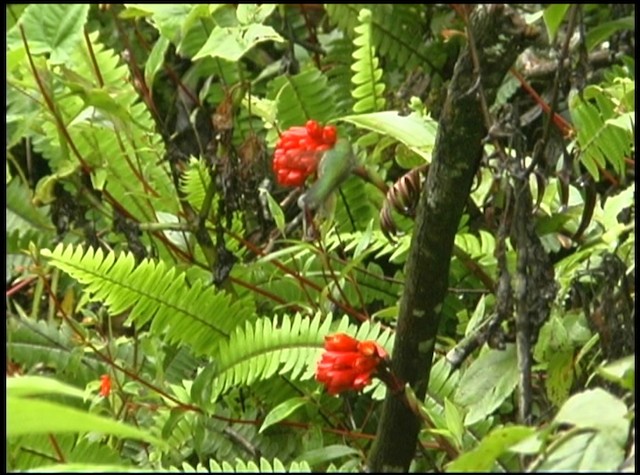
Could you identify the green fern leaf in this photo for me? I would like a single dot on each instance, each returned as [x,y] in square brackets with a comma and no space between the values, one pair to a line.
[31,343]
[396,30]
[270,346]
[338,64]
[368,89]
[302,97]
[600,141]
[194,182]
[196,315]
[240,466]
[356,205]
[35,451]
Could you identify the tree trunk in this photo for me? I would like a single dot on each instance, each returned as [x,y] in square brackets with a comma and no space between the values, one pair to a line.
[500,35]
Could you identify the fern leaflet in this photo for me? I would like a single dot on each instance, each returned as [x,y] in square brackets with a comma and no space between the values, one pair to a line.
[368,89]
[290,346]
[194,315]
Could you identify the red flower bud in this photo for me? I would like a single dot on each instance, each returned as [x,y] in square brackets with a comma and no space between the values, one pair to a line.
[348,364]
[105,385]
[298,151]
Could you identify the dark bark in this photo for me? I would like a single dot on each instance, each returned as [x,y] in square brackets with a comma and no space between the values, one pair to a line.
[500,36]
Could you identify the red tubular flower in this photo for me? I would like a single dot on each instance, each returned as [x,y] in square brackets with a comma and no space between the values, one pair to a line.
[298,151]
[348,363]
[105,385]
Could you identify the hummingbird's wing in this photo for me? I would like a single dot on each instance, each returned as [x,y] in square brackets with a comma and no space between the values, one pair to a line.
[334,168]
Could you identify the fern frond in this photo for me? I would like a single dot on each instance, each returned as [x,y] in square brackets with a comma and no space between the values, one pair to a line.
[368,88]
[108,127]
[267,347]
[35,450]
[338,64]
[40,342]
[397,30]
[240,466]
[290,346]
[302,97]
[602,137]
[194,182]
[355,206]
[195,315]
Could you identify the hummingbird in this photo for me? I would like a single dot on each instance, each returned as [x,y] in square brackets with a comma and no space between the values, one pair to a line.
[335,166]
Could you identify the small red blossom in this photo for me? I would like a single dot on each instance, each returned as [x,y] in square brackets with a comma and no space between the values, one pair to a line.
[105,385]
[348,364]
[298,150]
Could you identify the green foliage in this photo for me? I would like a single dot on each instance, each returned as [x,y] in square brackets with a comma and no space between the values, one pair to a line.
[148,241]
[268,347]
[605,122]
[485,385]
[194,315]
[27,409]
[302,97]
[48,344]
[240,466]
[368,90]
[54,29]
[395,30]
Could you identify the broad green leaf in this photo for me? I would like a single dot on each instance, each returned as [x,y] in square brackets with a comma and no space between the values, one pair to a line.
[487,383]
[282,411]
[601,32]
[155,60]
[624,121]
[275,209]
[231,43]
[553,338]
[21,211]
[324,454]
[596,409]
[482,458]
[419,134]
[55,29]
[35,385]
[476,318]
[593,452]
[166,18]
[553,16]
[621,371]
[454,419]
[251,13]
[27,416]
[559,376]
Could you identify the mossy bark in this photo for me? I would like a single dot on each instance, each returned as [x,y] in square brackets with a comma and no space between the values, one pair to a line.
[500,35]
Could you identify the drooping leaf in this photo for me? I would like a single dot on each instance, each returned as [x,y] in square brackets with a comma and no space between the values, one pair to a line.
[282,411]
[417,133]
[232,43]
[488,381]
[586,410]
[25,417]
[483,457]
[593,452]
[553,17]
[53,29]
[325,454]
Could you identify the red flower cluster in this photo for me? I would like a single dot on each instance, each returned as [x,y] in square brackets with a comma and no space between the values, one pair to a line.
[297,152]
[348,363]
[105,385]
